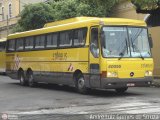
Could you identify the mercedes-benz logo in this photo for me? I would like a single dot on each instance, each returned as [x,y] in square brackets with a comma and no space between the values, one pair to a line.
[132,74]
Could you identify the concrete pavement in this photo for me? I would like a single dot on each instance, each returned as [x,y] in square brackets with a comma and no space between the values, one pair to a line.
[53,102]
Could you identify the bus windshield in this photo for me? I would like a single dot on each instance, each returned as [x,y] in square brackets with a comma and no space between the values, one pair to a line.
[125,42]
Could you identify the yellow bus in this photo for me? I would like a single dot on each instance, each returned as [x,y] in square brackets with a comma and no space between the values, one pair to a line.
[84,52]
[2,55]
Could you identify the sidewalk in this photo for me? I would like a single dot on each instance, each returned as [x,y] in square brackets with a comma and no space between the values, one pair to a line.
[156,82]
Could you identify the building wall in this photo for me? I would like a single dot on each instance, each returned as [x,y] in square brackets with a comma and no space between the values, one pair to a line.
[16,7]
[126,10]
[12,20]
[156,49]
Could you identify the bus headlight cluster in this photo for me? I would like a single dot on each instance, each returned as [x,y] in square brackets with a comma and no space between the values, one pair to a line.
[148,73]
[112,74]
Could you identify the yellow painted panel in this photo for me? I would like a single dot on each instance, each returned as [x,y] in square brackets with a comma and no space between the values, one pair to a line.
[62,60]
[2,61]
[124,67]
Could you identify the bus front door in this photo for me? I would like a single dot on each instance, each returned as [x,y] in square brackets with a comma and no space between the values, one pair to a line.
[94,59]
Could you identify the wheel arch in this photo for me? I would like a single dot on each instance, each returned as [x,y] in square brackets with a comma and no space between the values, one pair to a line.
[20,70]
[28,71]
[76,73]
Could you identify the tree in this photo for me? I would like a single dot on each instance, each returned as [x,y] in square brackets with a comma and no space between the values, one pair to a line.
[103,6]
[64,9]
[147,6]
[36,15]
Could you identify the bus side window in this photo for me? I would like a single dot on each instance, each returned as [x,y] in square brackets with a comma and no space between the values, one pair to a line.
[80,36]
[40,41]
[20,44]
[29,43]
[65,38]
[94,42]
[11,45]
[1,46]
[52,40]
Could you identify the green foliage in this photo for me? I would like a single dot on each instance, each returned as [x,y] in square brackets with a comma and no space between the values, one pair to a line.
[103,8]
[146,4]
[64,9]
[36,15]
[17,28]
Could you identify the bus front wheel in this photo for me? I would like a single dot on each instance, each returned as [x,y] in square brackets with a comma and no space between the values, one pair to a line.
[80,84]
[121,90]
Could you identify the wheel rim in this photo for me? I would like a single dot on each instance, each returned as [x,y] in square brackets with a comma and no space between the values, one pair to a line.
[80,83]
[30,80]
[21,80]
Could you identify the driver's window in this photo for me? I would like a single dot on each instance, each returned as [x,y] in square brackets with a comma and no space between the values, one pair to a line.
[94,48]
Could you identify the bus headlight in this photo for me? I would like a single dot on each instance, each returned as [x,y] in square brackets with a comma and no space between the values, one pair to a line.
[148,73]
[112,74]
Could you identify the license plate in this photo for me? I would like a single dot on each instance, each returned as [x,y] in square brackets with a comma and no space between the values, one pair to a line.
[130,84]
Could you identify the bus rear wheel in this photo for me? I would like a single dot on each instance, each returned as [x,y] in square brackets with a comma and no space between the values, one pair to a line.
[22,79]
[121,90]
[80,84]
[31,81]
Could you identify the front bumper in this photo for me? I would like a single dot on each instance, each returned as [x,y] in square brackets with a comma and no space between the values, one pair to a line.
[113,83]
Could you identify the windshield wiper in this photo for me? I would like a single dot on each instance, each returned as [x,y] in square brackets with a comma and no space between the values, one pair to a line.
[135,47]
[124,50]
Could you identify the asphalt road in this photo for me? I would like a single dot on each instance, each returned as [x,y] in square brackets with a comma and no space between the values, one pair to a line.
[53,102]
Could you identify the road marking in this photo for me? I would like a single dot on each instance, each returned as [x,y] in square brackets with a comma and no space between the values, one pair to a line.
[123,108]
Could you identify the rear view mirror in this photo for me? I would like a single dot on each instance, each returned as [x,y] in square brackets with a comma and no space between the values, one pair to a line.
[150,41]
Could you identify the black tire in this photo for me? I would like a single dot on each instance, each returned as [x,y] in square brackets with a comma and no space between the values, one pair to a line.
[22,79]
[121,90]
[80,84]
[31,82]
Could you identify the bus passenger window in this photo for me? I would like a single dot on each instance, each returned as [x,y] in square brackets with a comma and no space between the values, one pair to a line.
[52,40]
[19,44]
[80,37]
[2,46]
[40,41]
[94,42]
[11,45]
[66,38]
[29,43]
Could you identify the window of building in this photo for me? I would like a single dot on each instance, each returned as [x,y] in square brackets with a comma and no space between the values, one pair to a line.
[29,43]
[40,41]
[20,44]
[52,40]
[11,45]
[66,38]
[10,10]
[80,37]
[3,13]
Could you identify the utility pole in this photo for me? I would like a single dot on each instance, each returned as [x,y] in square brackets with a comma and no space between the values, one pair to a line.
[7,26]
[0,31]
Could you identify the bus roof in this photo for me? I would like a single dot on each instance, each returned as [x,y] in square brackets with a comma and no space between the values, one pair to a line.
[75,23]
[108,21]
[3,39]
